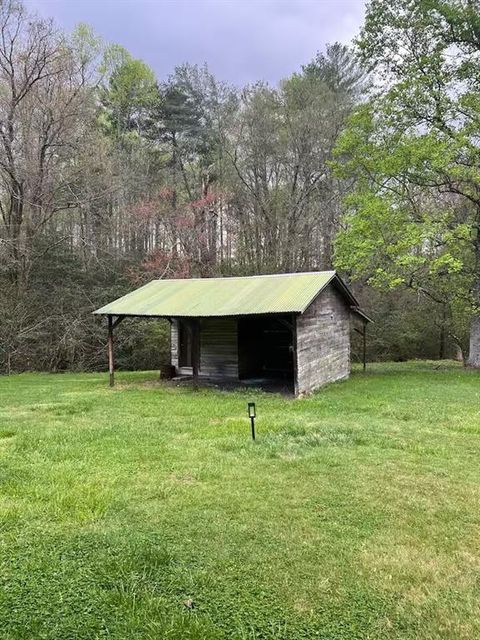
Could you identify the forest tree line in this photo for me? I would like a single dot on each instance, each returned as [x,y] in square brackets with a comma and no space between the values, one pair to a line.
[365,159]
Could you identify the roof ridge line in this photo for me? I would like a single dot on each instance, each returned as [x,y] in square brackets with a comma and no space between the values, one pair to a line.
[259,275]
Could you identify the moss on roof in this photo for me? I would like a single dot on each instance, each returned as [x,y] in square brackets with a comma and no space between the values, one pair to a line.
[204,297]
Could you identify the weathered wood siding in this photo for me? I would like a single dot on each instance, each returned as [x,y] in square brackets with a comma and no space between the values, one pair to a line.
[323,341]
[218,348]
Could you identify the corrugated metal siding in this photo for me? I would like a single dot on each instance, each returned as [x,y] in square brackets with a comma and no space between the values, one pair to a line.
[210,297]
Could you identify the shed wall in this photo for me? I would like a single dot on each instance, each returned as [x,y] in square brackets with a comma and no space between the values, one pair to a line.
[174,344]
[218,348]
[323,341]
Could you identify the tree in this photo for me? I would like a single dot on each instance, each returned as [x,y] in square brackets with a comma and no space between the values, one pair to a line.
[339,70]
[414,216]
[129,91]
[44,116]
[285,196]
[189,127]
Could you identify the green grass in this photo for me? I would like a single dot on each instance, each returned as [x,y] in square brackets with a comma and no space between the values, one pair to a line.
[356,514]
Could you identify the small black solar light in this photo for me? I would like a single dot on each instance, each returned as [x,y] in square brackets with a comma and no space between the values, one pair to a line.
[252,415]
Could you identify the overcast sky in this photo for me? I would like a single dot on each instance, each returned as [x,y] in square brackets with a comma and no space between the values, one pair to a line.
[240,40]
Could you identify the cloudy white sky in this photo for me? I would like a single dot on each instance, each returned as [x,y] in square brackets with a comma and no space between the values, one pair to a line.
[240,40]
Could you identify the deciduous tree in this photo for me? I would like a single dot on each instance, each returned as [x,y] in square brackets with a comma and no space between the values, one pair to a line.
[414,215]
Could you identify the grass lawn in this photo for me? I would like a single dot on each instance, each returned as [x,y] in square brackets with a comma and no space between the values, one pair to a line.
[355,514]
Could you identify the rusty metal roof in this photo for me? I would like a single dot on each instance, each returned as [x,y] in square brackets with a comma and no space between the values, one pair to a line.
[204,297]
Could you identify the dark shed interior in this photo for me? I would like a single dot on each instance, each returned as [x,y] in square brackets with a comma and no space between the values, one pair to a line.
[265,349]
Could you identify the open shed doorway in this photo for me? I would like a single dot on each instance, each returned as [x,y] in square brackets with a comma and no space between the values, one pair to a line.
[265,351]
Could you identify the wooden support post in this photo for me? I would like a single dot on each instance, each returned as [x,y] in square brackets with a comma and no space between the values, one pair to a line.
[364,354]
[169,374]
[111,365]
[294,355]
[195,351]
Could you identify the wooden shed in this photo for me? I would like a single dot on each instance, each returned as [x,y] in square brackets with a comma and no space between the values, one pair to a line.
[289,328]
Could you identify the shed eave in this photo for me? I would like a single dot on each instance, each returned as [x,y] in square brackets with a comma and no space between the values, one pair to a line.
[362,314]
[166,316]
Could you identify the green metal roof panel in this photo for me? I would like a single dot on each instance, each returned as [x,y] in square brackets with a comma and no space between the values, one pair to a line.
[204,297]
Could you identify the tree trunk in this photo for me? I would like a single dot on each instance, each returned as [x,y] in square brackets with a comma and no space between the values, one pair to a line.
[111,363]
[474,350]
[442,337]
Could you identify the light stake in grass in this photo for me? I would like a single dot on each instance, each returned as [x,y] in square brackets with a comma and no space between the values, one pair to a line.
[252,415]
